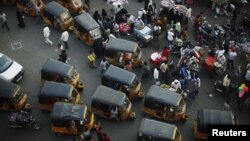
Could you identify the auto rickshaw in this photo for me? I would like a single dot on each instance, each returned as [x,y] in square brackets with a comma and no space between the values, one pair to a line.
[104,99]
[152,130]
[207,117]
[164,104]
[122,80]
[74,6]
[52,92]
[71,119]
[86,28]
[29,6]
[119,52]
[54,70]
[12,98]
[56,15]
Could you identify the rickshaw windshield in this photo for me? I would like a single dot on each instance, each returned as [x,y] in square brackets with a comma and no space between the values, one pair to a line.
[17,97]
[177,136]
[71,76]
[64,16]
[138,53]
[125,104]
[95,32]
[74,95]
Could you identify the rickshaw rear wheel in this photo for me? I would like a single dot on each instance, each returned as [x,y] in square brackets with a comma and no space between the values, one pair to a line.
[36,125]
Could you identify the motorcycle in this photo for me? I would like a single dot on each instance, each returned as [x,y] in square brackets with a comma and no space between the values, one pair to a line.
[23,119]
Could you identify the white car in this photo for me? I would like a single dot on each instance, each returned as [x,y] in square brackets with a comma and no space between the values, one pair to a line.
[10,70]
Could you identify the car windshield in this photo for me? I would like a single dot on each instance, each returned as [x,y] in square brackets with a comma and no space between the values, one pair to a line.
[5,63]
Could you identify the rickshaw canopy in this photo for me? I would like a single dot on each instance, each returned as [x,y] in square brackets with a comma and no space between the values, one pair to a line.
[8,89]
[108,96]
[86,21]
[55,89]
[55,8]
[68,111]
[122,45]
[164,96]
[158,130]
[213,117]
[55,67]
[120,75]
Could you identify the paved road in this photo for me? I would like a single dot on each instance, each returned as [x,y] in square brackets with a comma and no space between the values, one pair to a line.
[34,53]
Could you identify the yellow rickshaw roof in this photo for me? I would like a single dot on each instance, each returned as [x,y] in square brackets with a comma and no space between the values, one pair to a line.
[8,89]
[56,67]
[164,96]
[157,130]
[108,96]
[68,111]
[121,45]
[54,8]
[86,21]
[207,117]
[120,75]
[56,89]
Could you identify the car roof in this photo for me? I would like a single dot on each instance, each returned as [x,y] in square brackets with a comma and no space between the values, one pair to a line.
[109,96]
[121,45]
[68,111]
[214,117]
[120,75]
[8,89]
[56,67]
[86,21]
[164,96]
[55,89]
[55,8]
[157,129]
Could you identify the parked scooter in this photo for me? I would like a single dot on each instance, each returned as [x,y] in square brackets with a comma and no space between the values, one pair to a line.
[23,119]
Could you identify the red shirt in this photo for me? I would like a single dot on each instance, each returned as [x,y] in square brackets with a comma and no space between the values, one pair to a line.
[165,52]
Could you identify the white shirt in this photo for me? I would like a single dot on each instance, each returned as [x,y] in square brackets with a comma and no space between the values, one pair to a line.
[141,12]
[178,26]
[46,31]
[232,55]
[176,85]
[65,36]
[189,11]
[170,36]
[3,17]
[156,74]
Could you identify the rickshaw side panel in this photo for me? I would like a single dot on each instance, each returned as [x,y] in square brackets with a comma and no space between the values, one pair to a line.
[198,135]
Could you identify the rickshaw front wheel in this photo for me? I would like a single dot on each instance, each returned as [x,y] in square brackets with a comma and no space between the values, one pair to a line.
[132,115]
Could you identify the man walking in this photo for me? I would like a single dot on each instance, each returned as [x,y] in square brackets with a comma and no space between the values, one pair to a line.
[64,38]
[46,34]
[4,20]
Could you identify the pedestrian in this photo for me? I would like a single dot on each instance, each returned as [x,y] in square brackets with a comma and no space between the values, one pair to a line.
[60,47]
[176,85]
[184,34]
[104,14]
[188,15]
[91,59]
[20,18]
[63,57]
[38,13]
[146,71]
[198,83]
[226,83]
[231,57]
[100,134]
[87,2]
[65,38]
[46,34]
[156,74]
[226,106]
[103,66]
[116,30]
[4,20]
[164,69]
[107,138]
[170,38]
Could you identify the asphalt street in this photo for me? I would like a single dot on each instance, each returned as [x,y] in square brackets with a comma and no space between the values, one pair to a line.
[35,52]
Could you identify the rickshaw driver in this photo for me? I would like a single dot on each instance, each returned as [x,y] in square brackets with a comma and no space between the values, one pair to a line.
[114,113]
